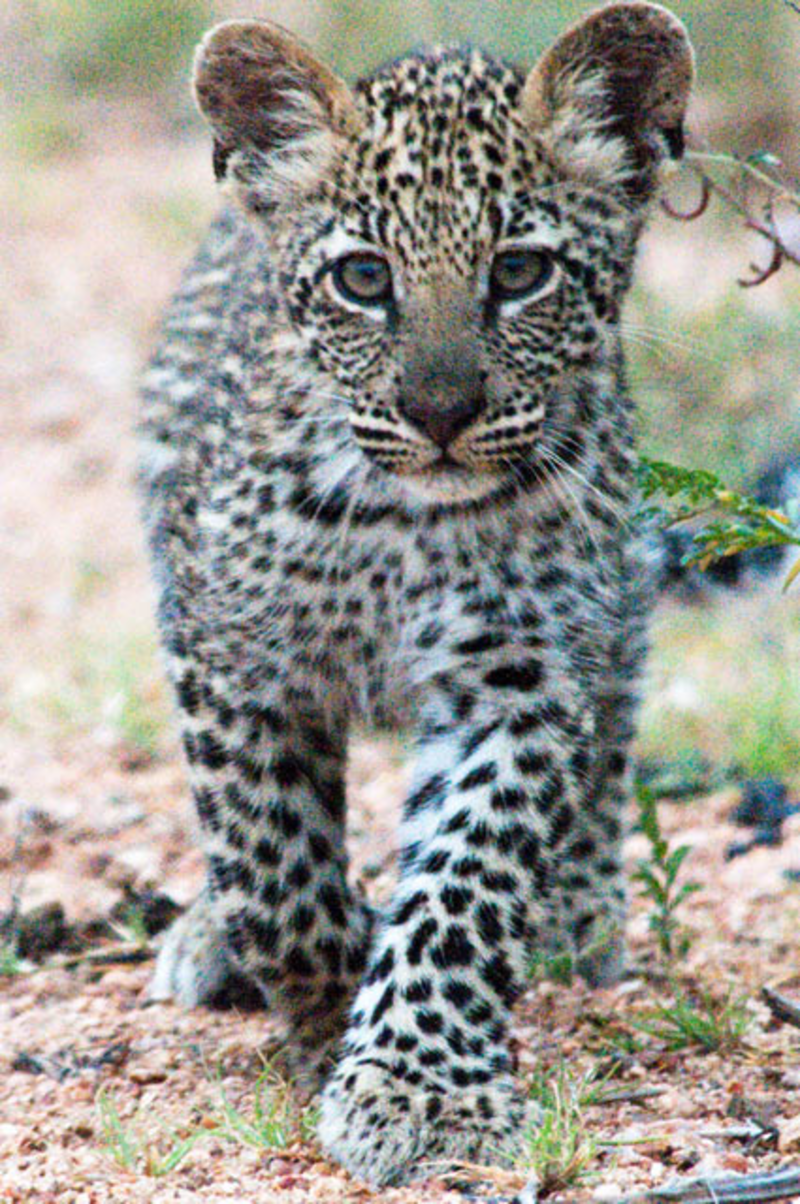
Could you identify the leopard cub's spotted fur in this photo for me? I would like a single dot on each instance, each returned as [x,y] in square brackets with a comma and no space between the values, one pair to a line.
[387,467]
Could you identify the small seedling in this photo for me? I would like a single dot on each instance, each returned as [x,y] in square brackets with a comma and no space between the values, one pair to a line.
[131,925]
[713,1024]
[658,875]
[612,1040]
[552,967]
[275,1121]
[558,1150]
[10,961]
[135,1149]
[561,965]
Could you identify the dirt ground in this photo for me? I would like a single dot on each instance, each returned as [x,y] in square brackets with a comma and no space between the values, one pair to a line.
[92,249]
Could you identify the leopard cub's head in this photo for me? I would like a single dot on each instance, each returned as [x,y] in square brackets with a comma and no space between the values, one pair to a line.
[453,237]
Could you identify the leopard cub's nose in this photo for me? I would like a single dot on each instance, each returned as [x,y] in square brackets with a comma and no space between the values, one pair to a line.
[442,419]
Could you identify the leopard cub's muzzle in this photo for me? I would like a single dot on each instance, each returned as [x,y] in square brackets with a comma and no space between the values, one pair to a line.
[442,391]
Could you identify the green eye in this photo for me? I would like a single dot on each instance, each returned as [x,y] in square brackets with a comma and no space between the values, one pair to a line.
[519,273]
[364,278]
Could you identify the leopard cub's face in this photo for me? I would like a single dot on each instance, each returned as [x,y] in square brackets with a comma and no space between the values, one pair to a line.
[449,284]
[452,240]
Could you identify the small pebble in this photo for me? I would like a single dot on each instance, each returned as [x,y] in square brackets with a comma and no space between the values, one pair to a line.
[674,1103]
[734,1161]
[606,1193]
[281,1166]
[789,1136]
[144,1075]
[529,1193]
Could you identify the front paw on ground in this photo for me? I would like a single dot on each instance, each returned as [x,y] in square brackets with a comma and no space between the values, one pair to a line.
[386,1131]
[192,967]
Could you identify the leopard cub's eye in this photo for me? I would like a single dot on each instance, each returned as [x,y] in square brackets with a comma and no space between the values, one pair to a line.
[364,278]
[520,273]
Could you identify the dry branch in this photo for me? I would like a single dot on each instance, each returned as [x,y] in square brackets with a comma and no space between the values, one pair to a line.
[740,1189]
[782,1008]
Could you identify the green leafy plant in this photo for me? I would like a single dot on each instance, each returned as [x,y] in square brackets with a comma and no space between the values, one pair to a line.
[131,926]
[561,965]
[555,967]
[715,1025]
[658,875]
[735,522]
[136,1149]
[755,188]
[275,1120]
[10,961]
[558,1149]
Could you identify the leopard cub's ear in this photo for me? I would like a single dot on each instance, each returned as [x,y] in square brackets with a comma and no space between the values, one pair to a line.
[609,97]
[276,113]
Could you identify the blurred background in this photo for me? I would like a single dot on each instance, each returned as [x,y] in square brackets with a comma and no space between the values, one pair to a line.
[105,188]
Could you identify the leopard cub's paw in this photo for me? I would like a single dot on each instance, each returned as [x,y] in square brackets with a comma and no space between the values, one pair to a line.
[388,1131]
[192,966]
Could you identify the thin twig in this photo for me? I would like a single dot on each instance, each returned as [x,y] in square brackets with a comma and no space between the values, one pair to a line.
[741,1189]
[123,955]
[691,214]
[782,1008]
[626,1094]
[746,1132]
[753,1133]
[743,204]
[753,224]
[113,955]
[760,275]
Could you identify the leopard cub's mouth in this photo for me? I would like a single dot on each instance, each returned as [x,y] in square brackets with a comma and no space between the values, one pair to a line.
[472,465]
[446,480]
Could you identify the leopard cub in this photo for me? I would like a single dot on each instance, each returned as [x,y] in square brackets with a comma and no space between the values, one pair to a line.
[388,470]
